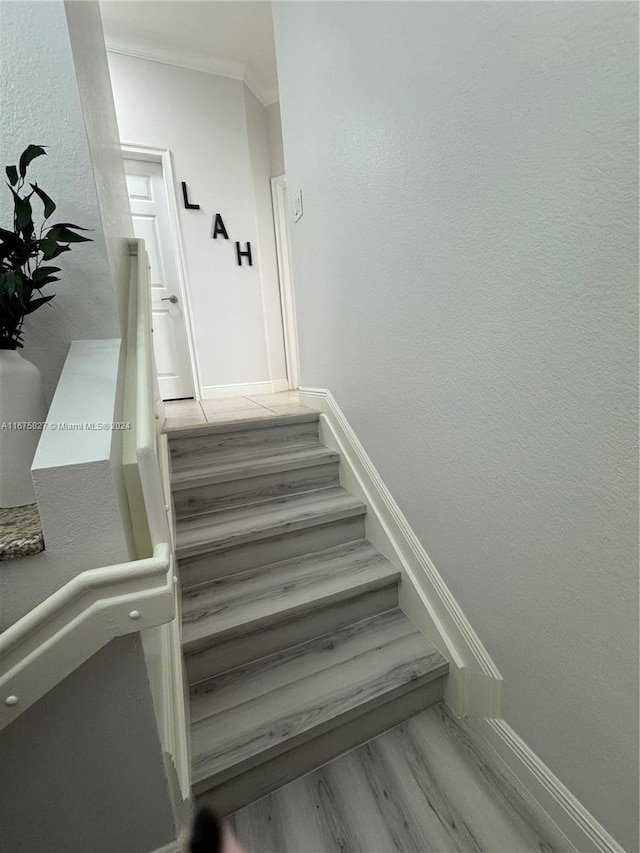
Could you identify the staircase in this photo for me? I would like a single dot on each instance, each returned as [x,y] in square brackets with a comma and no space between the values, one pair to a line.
[294,645]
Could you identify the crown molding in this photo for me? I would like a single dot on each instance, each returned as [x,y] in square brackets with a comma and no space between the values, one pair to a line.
[198,61]
[266,94]
[181,58]
[270,95]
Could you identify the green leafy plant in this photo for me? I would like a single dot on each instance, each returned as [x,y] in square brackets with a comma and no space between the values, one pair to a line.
[25,251]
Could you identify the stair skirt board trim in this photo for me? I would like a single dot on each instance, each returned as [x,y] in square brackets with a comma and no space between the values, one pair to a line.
[243,389]
[510,757]
[173,712]
[162,646]
[474,684]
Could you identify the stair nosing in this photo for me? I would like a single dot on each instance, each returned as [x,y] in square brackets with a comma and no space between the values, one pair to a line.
[350,508]
[247,503]
[303,648]
[439,667]
[311,556]
[197,430]
[323,722]
[208,475]
[388,576]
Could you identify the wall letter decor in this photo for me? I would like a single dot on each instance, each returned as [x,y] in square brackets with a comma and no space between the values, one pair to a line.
[246,254]
[218,228]
[185,196]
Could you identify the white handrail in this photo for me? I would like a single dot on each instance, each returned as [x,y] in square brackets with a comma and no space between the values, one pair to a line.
[146,478]
[62,632]
[146,404]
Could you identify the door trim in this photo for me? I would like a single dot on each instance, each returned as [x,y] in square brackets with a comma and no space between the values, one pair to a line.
[163,156]
[285,277]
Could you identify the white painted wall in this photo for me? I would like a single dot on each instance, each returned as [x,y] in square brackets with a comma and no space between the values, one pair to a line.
[276,151]
[46,108]
[466,283]
[86,769]
[96,98]
[202,119]
[258,136]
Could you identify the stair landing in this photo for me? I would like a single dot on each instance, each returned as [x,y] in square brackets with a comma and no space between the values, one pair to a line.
[420,786]
[187,414]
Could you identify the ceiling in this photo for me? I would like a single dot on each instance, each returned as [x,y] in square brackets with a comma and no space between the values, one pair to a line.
[233,38]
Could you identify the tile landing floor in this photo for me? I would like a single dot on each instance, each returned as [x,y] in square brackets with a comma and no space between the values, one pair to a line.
[182,414]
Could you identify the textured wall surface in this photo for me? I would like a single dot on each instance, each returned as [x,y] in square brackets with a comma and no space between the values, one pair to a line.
[466,282]
[201,118]
[40,104]
[75,485]
[96,97]
[86,771]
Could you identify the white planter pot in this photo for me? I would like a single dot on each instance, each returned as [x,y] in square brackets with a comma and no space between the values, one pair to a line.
[22,403]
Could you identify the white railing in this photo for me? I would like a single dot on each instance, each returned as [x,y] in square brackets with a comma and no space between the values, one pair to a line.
[147,479]
[141,445]
[62,632]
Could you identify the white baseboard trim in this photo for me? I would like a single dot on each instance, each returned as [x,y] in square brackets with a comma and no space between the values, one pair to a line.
[510,757]
[474,685]
[244,389]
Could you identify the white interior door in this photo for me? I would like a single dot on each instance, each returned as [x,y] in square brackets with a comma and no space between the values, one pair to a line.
[150,213]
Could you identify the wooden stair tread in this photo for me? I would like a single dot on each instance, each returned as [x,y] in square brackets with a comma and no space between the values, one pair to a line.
[243,424]
[240,603]
[241,736]
[248,681]
[225,528]
[224,466]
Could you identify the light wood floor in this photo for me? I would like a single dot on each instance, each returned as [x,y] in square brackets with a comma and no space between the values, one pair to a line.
[417,788]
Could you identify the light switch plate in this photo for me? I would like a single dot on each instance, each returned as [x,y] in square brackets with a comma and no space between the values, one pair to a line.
[297,206]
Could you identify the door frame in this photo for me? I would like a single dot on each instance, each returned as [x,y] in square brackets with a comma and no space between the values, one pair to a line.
[285,277]
[163,156]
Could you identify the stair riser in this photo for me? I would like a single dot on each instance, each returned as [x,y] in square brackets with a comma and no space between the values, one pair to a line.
[252,529]
[241,558]
[203,499]
[299,628]
[204,445]
[276,671]
[227,795]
